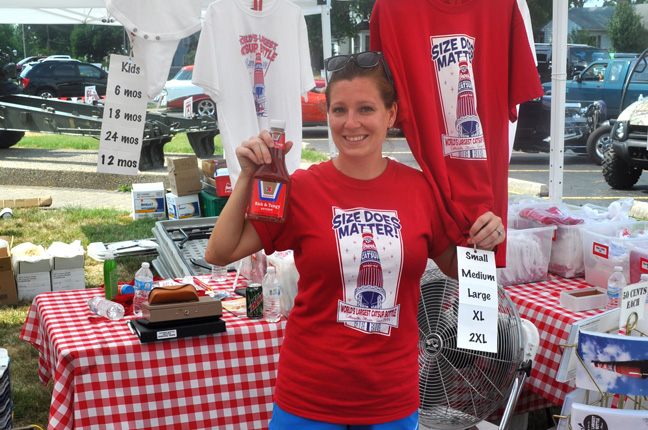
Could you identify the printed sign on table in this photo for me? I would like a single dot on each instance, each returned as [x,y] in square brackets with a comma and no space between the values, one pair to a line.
[91,94]
[478,304]
[633,299]
[124,117]
[188,107]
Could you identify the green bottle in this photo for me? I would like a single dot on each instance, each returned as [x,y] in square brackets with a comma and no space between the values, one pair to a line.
[110,276]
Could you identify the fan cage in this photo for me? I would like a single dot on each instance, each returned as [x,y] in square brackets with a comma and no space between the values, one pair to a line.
[459,387]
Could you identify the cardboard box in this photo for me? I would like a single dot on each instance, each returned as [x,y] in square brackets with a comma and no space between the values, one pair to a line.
[184,176]
[8,292]
[583,299]
[182,207]
[209,166]
[32,284]
[5,260]
[68,279]
[68,273]
[26,203]
[66,263]
[26,267]
[149,201]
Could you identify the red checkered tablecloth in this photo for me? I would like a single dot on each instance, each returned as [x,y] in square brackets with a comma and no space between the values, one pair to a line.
[105,378]
[540,304]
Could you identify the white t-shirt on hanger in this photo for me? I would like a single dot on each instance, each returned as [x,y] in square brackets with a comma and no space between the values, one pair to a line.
[158,27]
[255,65]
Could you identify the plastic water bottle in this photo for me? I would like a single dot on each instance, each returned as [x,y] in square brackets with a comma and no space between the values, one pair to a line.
[105,308]
[271,291]
[616,283]
[143,286]
[110,276]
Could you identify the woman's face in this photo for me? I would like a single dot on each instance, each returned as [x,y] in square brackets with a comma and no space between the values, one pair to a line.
[358,118]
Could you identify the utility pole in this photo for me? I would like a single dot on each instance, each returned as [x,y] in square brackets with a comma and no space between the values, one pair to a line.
[24,43]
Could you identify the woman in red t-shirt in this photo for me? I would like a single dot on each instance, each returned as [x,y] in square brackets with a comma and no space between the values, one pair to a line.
[362,228]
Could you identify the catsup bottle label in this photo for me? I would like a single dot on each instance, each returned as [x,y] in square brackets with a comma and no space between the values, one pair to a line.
[268,199]
[279,140]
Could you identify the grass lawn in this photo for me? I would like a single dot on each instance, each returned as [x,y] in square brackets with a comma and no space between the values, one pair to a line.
[31,400]
[178,145]
[42,227]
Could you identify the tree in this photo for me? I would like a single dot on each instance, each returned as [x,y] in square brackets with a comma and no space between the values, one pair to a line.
[627,33]
[93,43]
[540,11]
[581,36]
[346,20]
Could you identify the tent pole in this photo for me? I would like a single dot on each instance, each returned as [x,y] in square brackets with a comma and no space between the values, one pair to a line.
[558,85]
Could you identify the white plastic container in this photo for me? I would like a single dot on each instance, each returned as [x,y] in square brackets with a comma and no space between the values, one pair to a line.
[602,249]
[528,251]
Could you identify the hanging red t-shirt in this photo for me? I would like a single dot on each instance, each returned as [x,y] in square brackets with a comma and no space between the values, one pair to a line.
[460,68]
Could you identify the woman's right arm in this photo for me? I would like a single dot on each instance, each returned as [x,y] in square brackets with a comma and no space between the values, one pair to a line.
[234,236]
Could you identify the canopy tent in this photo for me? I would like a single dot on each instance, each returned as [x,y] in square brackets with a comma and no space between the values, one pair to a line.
[84,11]
[94,12]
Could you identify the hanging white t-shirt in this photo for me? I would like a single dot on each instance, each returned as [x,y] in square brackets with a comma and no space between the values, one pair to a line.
[255,65]
[158,27]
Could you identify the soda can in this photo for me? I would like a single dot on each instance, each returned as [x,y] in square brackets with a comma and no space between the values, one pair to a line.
[254,301]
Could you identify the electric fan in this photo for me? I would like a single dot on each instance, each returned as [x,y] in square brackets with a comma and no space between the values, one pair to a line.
[460,387]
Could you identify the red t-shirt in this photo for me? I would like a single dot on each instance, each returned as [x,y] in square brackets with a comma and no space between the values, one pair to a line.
[459,71]
[350,349]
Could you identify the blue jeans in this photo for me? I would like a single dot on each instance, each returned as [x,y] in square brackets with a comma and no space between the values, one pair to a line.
[282,420]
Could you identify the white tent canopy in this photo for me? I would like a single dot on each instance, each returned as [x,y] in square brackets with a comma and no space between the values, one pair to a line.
[94,12]
[84,11]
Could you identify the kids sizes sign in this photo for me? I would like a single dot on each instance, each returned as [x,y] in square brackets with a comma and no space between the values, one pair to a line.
[122,127]
[478,305]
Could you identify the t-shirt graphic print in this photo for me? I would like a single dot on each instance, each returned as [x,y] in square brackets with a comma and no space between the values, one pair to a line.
[452,57]
[370,250]
[258,52]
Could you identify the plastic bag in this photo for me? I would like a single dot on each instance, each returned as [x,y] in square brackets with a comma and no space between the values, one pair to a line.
[254,267]
[27,252]
[284,262]
[65,250]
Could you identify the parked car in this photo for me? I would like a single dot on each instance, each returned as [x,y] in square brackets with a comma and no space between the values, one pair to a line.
[63,78]
[21,63]
[179,88]
[534,127]
[627,157]
[314,108]
[578,57]
[606,80]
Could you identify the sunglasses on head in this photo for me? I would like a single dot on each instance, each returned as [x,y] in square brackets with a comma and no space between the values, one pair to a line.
[366,60]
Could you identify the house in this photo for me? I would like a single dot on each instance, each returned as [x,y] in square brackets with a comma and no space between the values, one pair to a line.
[592,19]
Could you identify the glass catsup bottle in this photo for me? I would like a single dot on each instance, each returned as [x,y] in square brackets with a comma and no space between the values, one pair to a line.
[271,182]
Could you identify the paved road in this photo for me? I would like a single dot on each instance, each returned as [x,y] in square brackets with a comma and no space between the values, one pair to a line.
[582,180]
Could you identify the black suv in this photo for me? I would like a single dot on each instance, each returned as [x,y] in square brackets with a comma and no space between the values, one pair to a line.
[62,78]
[578,57]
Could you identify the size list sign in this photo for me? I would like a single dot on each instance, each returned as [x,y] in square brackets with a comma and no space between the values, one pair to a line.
[478,305]
[122,127]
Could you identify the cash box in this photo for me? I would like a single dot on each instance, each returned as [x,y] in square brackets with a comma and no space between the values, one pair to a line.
[205,307]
